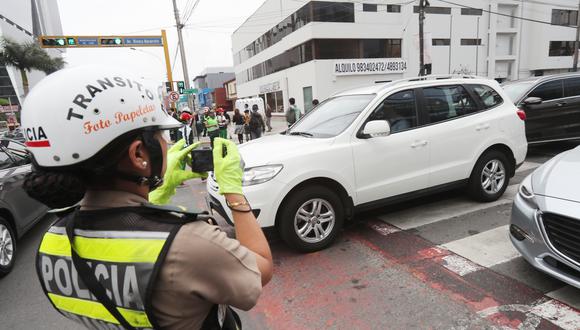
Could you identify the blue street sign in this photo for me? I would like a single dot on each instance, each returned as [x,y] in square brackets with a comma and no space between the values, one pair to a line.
[87,41]
[144,41]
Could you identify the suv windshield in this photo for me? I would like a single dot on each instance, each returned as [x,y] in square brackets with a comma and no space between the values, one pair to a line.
[332,116]
[516,90]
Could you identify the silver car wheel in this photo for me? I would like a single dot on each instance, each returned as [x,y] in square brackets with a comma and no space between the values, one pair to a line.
[6,246]
[314,220]
[493,177]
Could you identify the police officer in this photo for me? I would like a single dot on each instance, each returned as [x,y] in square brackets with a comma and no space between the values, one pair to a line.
[116,260]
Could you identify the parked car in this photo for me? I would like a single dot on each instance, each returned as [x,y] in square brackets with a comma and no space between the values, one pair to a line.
[545,221]
[15,135]
[18,212]
[551,104]
[373,146]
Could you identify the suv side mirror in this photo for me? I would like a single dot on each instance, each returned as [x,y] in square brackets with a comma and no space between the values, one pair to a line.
[532,101]
[377,128]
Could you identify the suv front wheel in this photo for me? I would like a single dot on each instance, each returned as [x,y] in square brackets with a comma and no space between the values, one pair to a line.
[490,177]
[7,247]
[311,218]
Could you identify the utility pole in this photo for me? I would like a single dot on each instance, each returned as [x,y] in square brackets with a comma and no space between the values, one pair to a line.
[422,5]
[182,51]
[577,43]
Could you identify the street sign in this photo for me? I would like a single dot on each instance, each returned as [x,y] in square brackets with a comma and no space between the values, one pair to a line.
[8,108]
[87,41]
[190,91]
[173,96]
[144,41]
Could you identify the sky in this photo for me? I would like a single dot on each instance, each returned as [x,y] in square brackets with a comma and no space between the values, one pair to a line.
[207,36]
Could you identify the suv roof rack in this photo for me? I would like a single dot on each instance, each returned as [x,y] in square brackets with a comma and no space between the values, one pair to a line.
[437,77]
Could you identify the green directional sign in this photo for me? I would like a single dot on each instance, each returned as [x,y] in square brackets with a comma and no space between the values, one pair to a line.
[190,91]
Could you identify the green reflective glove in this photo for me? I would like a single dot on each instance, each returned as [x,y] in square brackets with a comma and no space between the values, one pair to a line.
[175,175]
[228,170]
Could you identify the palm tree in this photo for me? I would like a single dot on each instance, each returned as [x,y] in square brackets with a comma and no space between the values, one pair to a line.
[26,57]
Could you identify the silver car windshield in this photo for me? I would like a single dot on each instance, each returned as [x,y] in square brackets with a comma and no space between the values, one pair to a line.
[332,116]
[516,90]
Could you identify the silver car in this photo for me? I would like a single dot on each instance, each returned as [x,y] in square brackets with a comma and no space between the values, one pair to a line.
[545,222]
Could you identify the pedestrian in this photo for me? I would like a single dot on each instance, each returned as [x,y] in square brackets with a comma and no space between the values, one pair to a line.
[200,126]
[239,125]
[222,123]
[293,113]
[247,125]
[257,126]
[269,117]
[185,131]
[173,132]
[205,115]
[211,124]
[116,260]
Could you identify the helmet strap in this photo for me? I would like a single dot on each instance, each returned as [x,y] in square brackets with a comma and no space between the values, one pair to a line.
[156,158]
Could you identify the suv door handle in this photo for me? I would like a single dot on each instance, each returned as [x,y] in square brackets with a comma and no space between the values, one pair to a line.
[482,127]
[417,144]
[561,104]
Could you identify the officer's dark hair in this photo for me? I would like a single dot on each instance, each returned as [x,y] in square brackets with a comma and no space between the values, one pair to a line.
[66,186]
[292,101]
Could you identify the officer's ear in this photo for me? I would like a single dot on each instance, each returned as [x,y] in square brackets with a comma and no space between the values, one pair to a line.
[138,158]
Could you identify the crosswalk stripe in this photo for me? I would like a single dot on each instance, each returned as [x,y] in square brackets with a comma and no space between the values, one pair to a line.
[568,295]
[527,166]
[558,314]
[435,212]
[487,249]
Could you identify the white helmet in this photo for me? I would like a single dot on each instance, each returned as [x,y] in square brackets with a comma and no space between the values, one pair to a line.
[74,113]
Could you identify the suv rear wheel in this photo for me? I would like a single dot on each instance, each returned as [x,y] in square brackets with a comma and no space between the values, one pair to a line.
[489,178]
[7,247]
[311,218]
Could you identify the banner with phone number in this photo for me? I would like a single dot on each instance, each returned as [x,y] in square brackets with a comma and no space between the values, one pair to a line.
[369,66]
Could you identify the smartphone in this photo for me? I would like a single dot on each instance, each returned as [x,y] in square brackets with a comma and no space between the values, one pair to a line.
[202,159]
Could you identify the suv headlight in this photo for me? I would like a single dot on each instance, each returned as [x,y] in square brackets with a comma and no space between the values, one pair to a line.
[527,193]
[260,174]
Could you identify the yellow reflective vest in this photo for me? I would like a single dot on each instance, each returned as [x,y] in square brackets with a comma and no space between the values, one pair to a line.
[123,250]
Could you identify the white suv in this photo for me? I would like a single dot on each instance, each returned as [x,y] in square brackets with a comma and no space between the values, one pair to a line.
[373,146]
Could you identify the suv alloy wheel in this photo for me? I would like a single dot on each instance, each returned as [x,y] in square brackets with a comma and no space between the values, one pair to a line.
[311,218]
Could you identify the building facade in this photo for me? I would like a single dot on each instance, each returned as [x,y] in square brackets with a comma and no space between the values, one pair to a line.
[312,50]
[22,21]
[210,85]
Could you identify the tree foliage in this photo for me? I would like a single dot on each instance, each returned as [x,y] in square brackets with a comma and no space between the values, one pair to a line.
[28,56]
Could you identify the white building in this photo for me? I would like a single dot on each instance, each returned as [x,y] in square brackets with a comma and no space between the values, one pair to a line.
[311,50]
[21,21]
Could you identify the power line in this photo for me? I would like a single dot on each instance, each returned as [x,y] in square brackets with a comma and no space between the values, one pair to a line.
[506,15]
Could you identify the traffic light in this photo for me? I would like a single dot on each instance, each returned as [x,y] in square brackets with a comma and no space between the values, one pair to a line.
[111,41]
[168,86]
[180,86]
[54,42]
[71,41]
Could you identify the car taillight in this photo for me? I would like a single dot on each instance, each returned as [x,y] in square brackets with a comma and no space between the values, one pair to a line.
[522,114]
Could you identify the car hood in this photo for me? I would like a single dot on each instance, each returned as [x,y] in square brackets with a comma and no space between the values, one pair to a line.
[559,177]
[274,149]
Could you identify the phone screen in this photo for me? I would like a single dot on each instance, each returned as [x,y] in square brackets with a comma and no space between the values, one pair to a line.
[201,160]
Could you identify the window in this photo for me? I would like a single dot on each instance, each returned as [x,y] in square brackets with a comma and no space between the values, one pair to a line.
[394,48]
[5,161]
[487,95]
[548,91]
[336,48]
[434,10]
[399,109]
[369,7]
[571,87]
[333,11]
[470,42]
[564,17]
[471,11]
[373,48]
[561,48]
[332,116]
[441,42]
[394,8]
[447,102]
